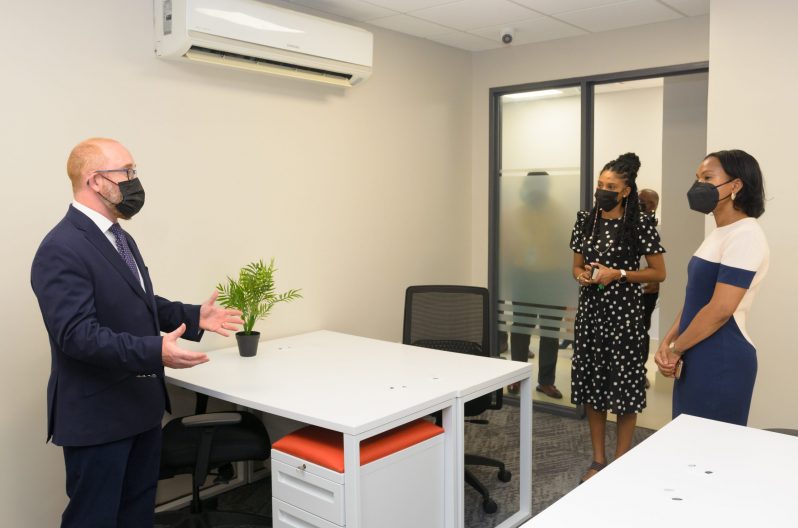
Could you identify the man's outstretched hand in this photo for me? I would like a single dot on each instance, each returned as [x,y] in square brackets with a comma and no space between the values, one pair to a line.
[217,319]
[174,356]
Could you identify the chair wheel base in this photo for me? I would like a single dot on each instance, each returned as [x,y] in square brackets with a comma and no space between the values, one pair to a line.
[505,475]
[489,506]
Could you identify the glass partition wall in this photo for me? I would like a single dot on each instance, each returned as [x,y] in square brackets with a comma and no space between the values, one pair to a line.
[547,142]
[538,189]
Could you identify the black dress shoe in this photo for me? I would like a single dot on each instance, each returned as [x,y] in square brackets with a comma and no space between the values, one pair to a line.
[550,390]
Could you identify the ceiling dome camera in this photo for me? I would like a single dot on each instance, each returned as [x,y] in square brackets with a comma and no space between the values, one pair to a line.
[507,35]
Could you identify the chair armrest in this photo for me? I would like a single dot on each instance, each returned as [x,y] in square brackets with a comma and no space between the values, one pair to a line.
[212,419]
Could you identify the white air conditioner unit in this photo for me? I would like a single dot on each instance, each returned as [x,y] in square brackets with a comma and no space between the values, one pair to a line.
[255,36]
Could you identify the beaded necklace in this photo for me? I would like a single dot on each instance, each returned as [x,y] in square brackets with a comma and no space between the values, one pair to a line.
[594,233]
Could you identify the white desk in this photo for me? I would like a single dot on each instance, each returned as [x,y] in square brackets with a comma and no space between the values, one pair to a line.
[664,482]
[362,387]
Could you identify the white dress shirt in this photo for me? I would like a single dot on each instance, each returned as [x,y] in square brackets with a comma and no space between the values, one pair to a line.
[105,226]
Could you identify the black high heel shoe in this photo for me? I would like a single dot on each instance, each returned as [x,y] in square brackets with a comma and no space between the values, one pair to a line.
[596,466]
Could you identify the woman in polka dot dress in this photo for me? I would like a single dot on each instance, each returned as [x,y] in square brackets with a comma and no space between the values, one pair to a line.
[607,372]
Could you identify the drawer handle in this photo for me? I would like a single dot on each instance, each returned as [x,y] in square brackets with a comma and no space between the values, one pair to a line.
[316,491]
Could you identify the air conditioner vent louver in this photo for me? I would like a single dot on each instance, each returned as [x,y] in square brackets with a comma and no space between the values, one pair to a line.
[244,62]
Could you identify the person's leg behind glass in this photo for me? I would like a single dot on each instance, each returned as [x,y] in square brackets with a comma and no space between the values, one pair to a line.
[547,364]
[547,367]
[519,351]
[519,346]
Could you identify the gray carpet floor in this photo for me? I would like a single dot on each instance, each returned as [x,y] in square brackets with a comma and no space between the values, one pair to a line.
[561,453]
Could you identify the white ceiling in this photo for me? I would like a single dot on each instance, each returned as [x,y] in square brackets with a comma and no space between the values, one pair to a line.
[477,25]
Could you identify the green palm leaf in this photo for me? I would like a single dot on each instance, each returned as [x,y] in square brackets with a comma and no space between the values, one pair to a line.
[253,293]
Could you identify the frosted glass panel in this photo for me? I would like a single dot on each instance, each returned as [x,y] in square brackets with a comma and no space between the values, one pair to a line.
[539,195]
[628,118]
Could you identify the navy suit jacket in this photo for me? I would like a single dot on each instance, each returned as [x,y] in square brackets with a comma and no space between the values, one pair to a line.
[106,379]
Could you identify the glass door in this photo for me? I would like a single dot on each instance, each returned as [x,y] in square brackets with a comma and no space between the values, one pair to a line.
[538,197]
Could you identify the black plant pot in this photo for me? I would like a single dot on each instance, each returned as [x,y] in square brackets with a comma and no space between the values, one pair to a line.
[247,343]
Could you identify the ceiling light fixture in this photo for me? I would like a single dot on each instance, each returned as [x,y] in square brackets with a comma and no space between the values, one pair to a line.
[523,96]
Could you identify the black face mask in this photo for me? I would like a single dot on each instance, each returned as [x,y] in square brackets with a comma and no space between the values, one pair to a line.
[704,197]
[132,197]
[606,200]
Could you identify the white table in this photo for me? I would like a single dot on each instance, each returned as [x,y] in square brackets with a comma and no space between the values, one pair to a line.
[362,387]
[692,472]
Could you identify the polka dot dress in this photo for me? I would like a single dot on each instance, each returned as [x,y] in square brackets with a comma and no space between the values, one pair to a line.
[607,371]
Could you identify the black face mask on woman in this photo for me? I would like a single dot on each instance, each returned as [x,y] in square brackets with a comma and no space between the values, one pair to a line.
[704,197]
[132,197]
[606,200]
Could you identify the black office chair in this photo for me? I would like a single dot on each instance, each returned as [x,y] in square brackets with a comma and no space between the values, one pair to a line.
[455,319]
[207,444]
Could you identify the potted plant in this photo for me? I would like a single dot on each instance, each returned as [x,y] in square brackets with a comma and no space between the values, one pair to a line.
[253,293]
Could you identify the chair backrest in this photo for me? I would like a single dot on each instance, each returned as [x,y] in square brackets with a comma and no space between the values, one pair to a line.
[450,318]
[453,318]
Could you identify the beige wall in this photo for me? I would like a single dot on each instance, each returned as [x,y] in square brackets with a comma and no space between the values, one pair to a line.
[752,106]
[677,42]
[357,193]
[683,146]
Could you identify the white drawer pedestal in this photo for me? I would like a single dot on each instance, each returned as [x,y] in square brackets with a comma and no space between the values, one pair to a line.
[402,490]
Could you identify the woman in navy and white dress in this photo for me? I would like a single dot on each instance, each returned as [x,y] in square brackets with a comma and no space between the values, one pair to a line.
[718,370]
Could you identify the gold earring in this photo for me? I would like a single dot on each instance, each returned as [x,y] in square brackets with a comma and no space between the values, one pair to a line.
[734,195]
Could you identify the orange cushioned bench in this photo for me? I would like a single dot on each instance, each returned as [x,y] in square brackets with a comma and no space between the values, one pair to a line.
[326,448]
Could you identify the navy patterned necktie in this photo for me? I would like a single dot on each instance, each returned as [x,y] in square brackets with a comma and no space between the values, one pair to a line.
[124,250]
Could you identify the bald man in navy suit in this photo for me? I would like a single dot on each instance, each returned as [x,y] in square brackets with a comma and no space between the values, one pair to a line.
[106,394]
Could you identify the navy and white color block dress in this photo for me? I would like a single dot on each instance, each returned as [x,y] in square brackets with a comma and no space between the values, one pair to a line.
[719,372]
[608,370]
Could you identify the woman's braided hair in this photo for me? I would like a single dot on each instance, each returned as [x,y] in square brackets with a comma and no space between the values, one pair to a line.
[626,167]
